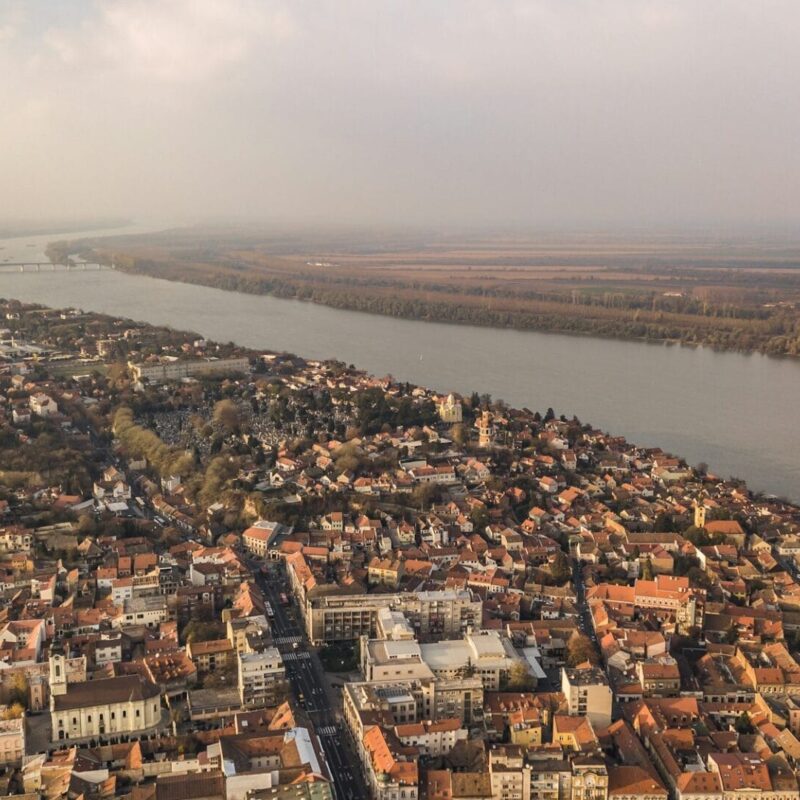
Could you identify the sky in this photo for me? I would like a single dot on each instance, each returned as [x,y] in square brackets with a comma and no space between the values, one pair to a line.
[545,113]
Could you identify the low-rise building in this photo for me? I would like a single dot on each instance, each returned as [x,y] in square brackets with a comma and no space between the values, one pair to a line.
[12,741]
[174,369]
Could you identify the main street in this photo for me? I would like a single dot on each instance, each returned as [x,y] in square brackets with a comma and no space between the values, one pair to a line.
[312,693]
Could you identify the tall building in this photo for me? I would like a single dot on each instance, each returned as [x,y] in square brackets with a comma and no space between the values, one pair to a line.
[588,694]
[262,678]
[485,429]
[441,614]
[699,515]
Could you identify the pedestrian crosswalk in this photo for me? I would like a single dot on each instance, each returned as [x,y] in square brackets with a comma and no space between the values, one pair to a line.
[302,656]
[327,730]
[288,639]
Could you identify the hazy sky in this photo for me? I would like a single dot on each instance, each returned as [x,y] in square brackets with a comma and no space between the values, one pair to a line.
[562,112]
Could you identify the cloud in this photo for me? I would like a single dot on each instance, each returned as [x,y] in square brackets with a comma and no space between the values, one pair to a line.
[174,41]
[565,112]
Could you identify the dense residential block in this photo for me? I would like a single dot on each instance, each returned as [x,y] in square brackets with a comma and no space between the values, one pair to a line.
[274,578]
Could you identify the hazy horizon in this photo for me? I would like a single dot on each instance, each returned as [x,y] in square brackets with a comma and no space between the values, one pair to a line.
[543,115]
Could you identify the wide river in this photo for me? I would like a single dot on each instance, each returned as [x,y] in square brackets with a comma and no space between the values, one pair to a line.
[739,413]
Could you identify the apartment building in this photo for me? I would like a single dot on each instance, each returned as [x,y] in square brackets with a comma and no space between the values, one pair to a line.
[588,694]
[210,656]
[262,678]
[509,776]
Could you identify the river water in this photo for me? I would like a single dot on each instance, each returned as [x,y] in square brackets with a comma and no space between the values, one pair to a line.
[739,413]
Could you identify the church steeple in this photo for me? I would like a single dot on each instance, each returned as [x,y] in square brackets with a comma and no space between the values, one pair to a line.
[58,674]
[485,429]
[699,515]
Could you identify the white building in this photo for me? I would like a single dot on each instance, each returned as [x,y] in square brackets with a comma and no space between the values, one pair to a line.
[147,612]
[432,738]
[485,654]
[175,369]
[107,710]
[261,677]
[588,694]
[43,405]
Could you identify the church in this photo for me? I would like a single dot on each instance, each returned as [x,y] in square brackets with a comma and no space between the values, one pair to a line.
[450,410]
[108,710]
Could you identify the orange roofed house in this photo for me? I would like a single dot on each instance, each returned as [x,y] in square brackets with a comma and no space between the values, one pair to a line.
[389,776]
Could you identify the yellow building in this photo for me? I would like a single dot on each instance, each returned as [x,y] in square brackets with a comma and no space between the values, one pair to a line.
[589,779]
[450,410]
[485,429]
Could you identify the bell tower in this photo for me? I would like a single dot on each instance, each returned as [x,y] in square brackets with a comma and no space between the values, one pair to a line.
[485,429]
[58,674]
[699,515]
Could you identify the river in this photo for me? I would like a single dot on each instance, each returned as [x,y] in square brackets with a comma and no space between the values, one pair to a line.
[738,413]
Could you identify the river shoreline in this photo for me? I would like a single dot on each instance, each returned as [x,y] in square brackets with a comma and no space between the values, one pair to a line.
[544,329]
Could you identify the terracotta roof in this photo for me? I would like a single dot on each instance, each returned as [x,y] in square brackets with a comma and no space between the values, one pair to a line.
[188,787]
[739,771]
[633,780]
[210,647]
[699,783]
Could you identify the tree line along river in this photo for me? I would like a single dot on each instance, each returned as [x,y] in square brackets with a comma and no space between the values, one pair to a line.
[738,413]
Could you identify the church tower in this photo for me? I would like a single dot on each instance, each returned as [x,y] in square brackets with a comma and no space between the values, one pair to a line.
[699,515]
[485,429]
[58,674]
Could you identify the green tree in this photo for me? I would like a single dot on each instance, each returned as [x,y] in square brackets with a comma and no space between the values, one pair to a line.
[744,725]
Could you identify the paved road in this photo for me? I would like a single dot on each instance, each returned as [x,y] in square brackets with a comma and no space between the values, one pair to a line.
[587,626]
[312,693]
[585,618]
